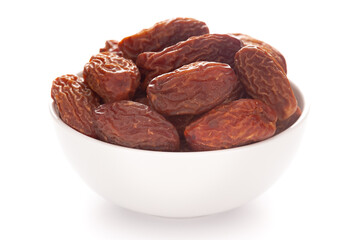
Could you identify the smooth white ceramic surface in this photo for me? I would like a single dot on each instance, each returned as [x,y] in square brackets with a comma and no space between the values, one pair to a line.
[181,184]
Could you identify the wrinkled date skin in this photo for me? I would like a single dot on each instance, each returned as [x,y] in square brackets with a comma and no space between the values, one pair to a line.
[264,79]
[285,124]
[135,125]
[75,102]
[178,121]
[112,46]
[234,124]
[112,77]
[248,40]
[176,87]
[207,47]
[192,89]
[161,35]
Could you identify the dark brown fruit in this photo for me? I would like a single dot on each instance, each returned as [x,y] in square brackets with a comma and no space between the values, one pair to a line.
[264,79]
[234,124]
[161,35]
[112,77]
[135,125]
[208,47]
[285,124]
[75,102]
[248,40]
[112,46]
[192,89]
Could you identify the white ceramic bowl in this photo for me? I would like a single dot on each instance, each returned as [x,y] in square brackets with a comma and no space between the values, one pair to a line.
[181,184]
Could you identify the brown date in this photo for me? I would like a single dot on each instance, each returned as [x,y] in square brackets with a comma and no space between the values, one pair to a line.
[285,124]
[248,40]
[135,125]
[178,121]
[112,77]
[192,89]
[112,46]
[233,124]
[161,35]
[207,47]
[75,102]
[264,79]
[188,91]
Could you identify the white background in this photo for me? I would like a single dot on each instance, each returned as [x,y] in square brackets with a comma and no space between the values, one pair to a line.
[43,198]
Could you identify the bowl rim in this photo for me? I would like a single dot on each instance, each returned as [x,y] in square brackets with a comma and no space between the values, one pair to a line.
[298,93]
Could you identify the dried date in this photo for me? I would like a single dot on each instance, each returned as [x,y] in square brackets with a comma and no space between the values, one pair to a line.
[135,125]
[161,35]
[264,79]
[233,124]
[188,91]
[207,47]
[75,102]
[248,40]
[112,46]
[192,89]
[112,77]
[285,124]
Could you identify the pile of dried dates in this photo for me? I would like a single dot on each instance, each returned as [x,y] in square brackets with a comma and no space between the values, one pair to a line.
[176,87]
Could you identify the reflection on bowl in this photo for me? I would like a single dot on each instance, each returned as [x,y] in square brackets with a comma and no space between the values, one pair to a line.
[181,184]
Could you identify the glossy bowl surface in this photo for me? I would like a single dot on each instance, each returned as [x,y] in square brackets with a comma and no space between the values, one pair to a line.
[181,184]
